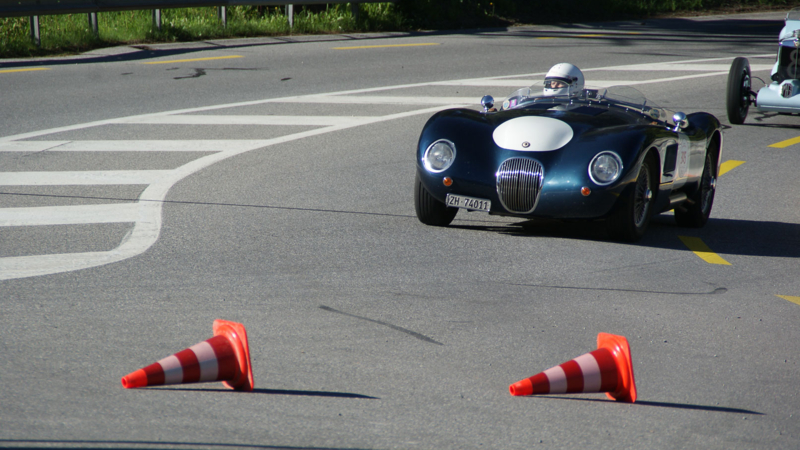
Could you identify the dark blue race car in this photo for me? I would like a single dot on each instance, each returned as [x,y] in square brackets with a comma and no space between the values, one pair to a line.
[601,154]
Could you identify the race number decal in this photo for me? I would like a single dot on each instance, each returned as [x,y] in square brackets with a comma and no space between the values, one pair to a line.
[684,146]
[791,69]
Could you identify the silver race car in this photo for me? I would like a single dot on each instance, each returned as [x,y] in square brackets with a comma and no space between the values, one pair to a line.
[782,95]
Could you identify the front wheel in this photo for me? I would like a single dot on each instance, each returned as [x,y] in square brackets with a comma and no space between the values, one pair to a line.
[629,221]
[695,212]
[429,210]
[738,98]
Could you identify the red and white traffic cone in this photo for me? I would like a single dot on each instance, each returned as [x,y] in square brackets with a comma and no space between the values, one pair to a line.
[225,357]
[608,369]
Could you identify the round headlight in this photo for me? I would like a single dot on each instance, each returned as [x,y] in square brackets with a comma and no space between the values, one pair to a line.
[605,168]
[439,156]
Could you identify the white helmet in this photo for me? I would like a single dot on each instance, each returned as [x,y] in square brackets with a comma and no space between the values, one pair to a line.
[563,79]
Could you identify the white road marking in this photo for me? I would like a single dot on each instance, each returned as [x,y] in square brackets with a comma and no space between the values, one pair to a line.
[206,145]
[69,215]
[29,146]
[82,178]
[590,83]
[602,83]
[146,213]
[514,83]
[188,119]
[691,67]
[148,226]
[382,100]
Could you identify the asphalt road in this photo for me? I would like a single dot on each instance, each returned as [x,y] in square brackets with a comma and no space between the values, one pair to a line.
[145,193]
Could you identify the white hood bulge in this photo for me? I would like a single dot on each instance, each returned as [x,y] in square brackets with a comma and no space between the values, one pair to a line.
[533,134]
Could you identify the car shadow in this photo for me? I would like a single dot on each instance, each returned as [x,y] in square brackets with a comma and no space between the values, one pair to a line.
[758,118]
[724,236]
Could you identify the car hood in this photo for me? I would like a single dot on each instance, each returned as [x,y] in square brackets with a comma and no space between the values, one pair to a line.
[552,129]
[532,134]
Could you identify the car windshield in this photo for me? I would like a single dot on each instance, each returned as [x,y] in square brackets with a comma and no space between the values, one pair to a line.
[790,28]
[615,96]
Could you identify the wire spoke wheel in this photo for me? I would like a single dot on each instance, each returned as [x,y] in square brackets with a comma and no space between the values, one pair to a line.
[707,187]
[695,212]
[629,220]
[642,198]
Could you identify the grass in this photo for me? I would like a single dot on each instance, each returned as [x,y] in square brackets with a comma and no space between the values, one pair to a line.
[71,33]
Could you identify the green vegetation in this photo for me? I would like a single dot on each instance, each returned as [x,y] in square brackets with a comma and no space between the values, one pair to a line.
[71,33]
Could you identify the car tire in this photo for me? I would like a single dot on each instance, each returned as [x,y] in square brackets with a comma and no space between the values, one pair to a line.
[429,210]
[695,212]
[738,99]
[629,220]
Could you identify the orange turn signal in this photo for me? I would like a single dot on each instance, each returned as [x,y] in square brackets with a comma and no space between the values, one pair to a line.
[585,191]
[447,181]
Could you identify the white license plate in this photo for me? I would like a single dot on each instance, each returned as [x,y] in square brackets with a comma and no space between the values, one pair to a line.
[462,201]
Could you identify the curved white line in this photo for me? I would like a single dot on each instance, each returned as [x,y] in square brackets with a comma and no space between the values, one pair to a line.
[148,223]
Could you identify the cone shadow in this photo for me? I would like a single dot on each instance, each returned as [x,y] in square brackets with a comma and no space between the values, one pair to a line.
[152,445]
[314,393]
[272,392]
[723,409]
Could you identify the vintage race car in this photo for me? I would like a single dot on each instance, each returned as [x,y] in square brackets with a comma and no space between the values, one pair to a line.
[602,154]
[782,95]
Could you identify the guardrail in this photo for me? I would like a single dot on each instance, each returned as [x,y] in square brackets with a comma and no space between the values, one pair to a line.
[18,8]
[36,8]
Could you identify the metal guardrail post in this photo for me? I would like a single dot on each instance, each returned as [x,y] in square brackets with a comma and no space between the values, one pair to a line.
[93,23]
[222,12]
[35,36]
[290,15]
[157,19]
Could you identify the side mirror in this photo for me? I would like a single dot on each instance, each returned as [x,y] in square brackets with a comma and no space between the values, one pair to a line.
[680,121]
[487,102]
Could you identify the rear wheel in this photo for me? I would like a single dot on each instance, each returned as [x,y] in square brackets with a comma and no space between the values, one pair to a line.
[629,221]
[429,210]
[695,212]
[738,99]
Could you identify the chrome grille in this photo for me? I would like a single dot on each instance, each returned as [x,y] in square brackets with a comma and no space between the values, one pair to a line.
[519,181]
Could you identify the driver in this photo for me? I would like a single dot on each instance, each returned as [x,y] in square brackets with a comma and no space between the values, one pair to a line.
[563,79]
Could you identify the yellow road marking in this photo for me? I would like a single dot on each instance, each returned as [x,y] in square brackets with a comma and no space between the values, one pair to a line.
[727,166]
[195,59]
[701,250]
[385,46]
[23,70]
[786,143]
[790,298]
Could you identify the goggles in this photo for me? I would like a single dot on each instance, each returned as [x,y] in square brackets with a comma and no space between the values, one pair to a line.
[556,83]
